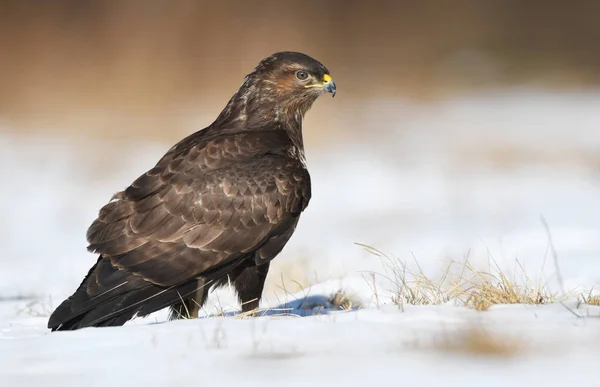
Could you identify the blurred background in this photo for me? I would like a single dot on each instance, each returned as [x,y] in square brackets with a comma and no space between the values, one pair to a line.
[456,126]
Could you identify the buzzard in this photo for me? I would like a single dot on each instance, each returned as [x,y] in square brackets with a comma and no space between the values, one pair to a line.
[215,209]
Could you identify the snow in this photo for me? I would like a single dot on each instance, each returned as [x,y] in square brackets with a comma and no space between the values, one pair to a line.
[384,346]
[432,182]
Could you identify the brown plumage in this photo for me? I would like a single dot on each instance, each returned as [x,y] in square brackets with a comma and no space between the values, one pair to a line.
[217,207]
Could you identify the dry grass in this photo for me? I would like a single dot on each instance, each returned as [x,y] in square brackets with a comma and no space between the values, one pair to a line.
[413,288]
[287,276]
[37,308]
[473,340]
[462,284]
[590,299]
[496,289]
[477,341]
[419,289]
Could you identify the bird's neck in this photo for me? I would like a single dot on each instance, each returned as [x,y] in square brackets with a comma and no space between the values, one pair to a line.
[251,110]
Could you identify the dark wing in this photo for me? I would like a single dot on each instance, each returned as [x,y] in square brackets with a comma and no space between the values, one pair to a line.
[203,207]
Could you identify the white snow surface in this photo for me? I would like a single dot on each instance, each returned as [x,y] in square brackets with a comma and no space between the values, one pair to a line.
[426,183]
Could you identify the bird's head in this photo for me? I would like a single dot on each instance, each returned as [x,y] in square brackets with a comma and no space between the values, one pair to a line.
[281,89]
[294,75]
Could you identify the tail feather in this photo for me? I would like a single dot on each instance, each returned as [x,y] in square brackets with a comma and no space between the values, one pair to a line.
[110,297]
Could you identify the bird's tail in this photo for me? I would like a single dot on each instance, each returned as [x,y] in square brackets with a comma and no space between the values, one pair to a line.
[108,296]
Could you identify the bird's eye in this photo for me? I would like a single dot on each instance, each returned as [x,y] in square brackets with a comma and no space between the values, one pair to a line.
[302,75]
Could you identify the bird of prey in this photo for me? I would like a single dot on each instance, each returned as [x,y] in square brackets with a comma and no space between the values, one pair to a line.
[215,209]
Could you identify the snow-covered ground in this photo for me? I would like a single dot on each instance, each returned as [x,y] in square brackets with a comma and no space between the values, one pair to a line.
[425,183]
[371,346]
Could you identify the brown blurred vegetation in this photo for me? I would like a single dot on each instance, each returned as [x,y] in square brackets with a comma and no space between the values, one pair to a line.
[161,68]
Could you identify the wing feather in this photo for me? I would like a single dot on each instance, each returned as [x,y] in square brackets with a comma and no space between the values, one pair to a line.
[203,206]
[201,235]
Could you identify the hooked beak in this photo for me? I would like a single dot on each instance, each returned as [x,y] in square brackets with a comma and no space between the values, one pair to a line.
[327,85]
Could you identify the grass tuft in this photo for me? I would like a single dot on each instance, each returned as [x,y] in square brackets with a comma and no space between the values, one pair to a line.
[591,299]
[414,288]
[466,286]
[496,289]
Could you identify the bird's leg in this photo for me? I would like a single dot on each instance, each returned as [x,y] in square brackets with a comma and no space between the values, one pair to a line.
[190,307]
[199,298]
[249,286]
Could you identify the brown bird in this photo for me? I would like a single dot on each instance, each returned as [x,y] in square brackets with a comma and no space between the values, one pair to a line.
[216,208]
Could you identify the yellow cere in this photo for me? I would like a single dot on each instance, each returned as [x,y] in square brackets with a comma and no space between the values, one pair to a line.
[326,80]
